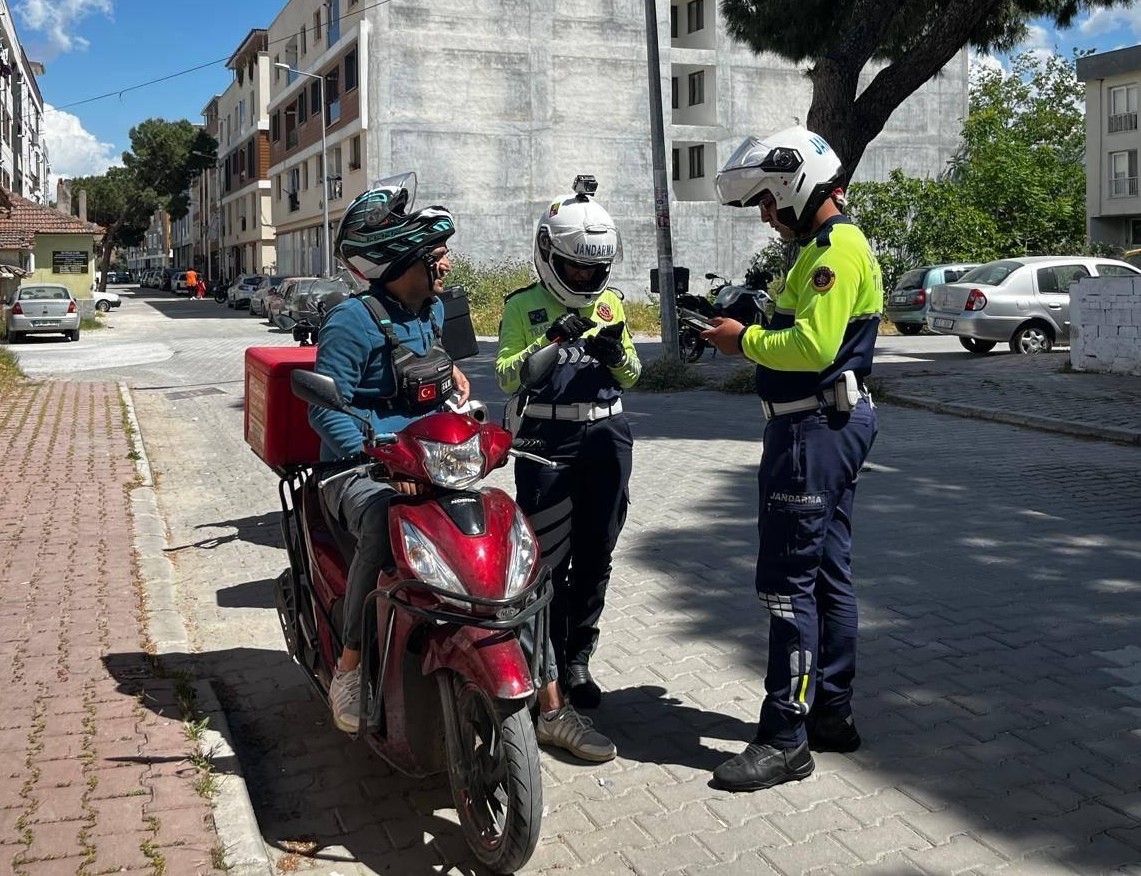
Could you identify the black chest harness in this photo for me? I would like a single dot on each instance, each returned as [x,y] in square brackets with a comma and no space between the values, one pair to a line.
[423,381]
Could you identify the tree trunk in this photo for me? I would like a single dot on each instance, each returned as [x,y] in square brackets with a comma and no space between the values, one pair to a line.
[108,247]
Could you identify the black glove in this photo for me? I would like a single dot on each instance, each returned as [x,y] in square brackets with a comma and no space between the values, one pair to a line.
[606,346]
[569,327]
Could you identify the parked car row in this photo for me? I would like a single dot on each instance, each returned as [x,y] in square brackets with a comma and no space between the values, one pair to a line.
[284,301]
[1023,302]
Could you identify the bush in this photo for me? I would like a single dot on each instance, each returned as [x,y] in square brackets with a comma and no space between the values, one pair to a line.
[742,381]
[643,318]
[667,375]
[10,373]
[487,286]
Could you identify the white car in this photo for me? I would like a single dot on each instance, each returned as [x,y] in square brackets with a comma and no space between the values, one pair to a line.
[104,301]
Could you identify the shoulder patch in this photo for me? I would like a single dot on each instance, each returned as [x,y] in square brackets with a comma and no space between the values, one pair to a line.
[823,279]
[604,312]
[537,317]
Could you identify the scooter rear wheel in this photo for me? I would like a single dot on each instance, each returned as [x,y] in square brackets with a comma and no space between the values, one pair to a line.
[691,344]
[493,766]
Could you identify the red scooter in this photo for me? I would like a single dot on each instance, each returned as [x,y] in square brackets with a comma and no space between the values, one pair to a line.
[445,683]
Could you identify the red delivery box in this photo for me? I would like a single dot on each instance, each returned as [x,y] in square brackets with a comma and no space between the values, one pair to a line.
[277,421]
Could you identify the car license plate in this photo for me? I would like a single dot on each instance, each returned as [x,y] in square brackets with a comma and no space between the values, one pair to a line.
[40,323]
[898,299]
[944,323]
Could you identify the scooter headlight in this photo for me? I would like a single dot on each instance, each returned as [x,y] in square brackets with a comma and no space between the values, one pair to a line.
[427,563]
[455,466]
[524,555]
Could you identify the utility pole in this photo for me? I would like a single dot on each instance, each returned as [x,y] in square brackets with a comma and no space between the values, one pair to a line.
[666,298]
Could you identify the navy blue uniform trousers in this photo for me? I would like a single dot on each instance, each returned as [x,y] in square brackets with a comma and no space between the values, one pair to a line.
[577,511]
[807,482]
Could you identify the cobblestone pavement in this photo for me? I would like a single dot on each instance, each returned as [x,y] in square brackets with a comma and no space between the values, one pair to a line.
[1000,681]
[94,770]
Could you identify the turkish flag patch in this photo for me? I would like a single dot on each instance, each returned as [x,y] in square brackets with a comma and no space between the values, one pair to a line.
[604,312]
[823,279]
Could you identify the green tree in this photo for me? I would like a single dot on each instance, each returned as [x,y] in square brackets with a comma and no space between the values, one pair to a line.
[1016,187]
[914,41]
[1023,155]
[164,160]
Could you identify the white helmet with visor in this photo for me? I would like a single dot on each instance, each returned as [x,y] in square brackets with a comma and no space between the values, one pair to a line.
[576,244]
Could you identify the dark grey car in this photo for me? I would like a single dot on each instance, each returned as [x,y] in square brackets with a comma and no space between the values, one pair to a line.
[906,307]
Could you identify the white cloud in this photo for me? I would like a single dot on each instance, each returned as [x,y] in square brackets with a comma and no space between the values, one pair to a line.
[1107,21]
[59,19]
[73,150]
[978,62]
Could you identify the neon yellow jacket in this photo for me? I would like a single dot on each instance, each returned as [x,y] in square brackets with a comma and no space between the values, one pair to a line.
[528,313]
[826,319]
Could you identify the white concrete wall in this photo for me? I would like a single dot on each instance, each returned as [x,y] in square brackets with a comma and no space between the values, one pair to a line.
[1105,318]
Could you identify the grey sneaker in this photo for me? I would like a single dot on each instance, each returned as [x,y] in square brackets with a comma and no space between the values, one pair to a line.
[569,730]
[345,699]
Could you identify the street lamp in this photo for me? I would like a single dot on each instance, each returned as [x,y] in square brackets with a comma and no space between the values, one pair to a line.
[324,166]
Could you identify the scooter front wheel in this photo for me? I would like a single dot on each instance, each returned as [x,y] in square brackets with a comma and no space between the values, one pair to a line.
[493,766]
[691,345]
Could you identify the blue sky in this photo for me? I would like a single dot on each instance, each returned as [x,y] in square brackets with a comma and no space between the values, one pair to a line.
[92,47]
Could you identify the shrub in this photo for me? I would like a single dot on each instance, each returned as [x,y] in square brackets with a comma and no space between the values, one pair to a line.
[743,381]
[10,373]
[667,375]
[487,285]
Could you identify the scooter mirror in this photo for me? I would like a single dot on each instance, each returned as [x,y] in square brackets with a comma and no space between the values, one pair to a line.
[539,366]
[316,389]
[711,277]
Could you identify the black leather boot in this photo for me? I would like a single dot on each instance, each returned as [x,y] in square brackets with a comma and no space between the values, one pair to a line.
[831,732]
[581,689]
[762,766]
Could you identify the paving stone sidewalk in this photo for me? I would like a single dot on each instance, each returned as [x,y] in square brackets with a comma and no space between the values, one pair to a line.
[94,769]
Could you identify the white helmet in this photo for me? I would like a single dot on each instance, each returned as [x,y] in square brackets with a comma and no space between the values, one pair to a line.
[798,168]
[576,232]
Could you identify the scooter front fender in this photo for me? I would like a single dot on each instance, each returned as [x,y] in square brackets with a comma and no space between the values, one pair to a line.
[492,659]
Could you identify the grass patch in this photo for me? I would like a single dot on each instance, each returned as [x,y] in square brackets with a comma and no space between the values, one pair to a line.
[10,373]
[743,381]
[90,323]
[643,318]
[668,375]
[487,285]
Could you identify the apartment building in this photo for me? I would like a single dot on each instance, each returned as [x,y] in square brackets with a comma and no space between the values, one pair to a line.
[497,113]
[320,94]
[1113,139]
[239,120]
[156,250]
[23,155]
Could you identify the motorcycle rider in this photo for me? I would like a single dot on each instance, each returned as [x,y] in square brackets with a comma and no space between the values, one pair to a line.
[403,255]
[577,509]
[812,359]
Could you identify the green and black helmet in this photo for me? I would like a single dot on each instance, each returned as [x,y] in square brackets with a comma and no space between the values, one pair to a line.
[380,236]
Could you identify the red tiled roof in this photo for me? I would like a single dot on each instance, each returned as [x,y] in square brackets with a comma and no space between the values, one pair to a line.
[20,224]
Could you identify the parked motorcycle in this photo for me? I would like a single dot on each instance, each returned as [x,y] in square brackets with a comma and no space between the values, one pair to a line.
[445,683]
[750,304]
[217,291]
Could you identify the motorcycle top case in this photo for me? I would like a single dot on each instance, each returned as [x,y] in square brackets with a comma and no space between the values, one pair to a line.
[277,422]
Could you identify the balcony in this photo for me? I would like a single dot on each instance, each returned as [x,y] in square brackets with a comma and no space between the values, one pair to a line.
[336,189]
[1122,122]
[1123,187]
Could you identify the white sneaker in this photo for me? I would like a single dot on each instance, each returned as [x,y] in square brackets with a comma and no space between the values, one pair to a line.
[345,699]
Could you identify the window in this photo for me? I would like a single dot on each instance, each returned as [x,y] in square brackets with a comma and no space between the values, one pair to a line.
[251,161]
[676,159]
[275,127]
[302,108]
[673,21]
[317,25]
[1123,108]
[695,15]
[1109,270]
[355,153]
[333,95]
[315,96]
[697,88]
[1057,280]
[241,115]
[696,162]
[1123,174]
[673,92]
[351,70]
[305,174]
[334,7]
[303,41]
[276,72]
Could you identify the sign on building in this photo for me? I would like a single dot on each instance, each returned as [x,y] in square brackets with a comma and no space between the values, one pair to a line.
[70,261]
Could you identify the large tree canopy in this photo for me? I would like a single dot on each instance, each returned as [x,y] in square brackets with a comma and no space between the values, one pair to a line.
[1017,186]
[915,40]
[164,160]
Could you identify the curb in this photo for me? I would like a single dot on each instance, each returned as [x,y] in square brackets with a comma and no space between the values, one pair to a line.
[1012,418]
[234,818]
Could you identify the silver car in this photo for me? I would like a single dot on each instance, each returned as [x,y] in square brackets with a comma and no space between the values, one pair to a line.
[41,309]
[1024,302]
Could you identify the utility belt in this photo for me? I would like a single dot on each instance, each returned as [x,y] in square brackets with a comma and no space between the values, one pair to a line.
[843,396]
[580,412]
